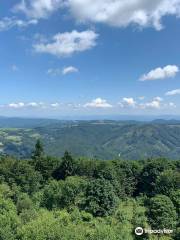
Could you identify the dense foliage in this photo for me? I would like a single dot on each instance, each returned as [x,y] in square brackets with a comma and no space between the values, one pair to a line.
[47,198]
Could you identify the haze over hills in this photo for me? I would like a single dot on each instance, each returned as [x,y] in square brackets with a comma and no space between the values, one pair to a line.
[104,139]
[24,122]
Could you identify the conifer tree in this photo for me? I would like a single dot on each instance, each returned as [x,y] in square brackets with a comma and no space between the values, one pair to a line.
[37,155]
[67,167]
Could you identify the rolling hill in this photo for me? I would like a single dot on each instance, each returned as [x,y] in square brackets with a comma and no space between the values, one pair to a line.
[101,139]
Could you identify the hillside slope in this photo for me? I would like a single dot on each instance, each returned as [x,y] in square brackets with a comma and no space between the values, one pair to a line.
[105,140]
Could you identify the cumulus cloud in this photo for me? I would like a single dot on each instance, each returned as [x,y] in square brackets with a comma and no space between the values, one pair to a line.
[155,103]
[168,71]
[55,105]
[98,103]
[123,13]
[68,43]
[16,105]
[69,69]
[118,13]
[159,99]
[127,102]
[19,105]
[8,23]
[173,92]
[32,104]
[38,8]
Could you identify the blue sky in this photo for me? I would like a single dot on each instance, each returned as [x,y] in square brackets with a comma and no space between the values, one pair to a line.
[79,57]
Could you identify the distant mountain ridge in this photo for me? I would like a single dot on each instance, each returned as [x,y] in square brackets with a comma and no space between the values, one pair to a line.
[25,122]
[104,139]
[18,122]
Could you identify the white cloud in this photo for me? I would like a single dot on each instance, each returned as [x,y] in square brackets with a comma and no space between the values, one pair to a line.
[173,92]
[38,8]
[55,105]
[68,43]
[168,71]
[159,99]
[69,69]
[16,105]
[153,104]
[119,13]
[156,103]
[128,102]
[8,23]
[25,105]
[32,104]
[98,103]
[64,71]
[54,71]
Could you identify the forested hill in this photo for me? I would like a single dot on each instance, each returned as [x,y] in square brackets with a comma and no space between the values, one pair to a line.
[101,139]
[15,122]
[47,198]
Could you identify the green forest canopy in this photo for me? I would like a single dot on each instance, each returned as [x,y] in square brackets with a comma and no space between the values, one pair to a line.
[77,199]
